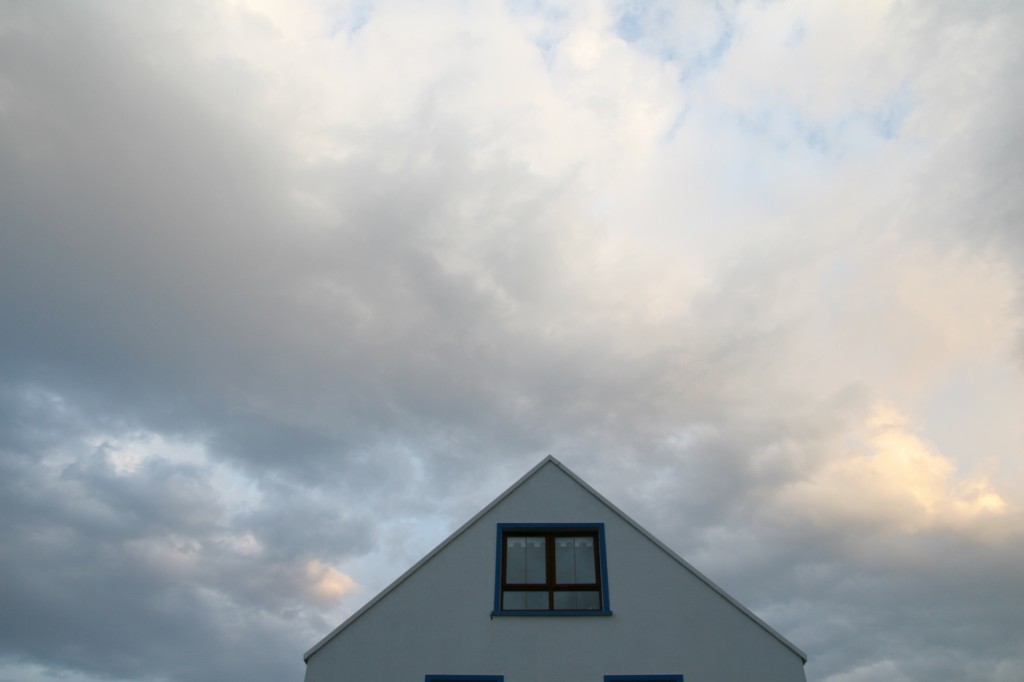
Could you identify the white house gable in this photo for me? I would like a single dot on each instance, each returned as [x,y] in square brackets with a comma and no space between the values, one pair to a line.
[585,593]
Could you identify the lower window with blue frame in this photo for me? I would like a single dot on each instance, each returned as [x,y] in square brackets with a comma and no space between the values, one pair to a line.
[501,678]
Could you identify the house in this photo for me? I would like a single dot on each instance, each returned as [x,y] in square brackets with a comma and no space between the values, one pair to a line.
[551,582]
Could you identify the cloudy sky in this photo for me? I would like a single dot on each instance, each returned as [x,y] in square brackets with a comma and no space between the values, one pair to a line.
[289,290]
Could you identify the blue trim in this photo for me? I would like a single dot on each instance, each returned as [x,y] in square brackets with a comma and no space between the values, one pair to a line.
[497,571]
[606,597]
[643,678]
[558,526]
[606,605]
[465,678]
[551,613]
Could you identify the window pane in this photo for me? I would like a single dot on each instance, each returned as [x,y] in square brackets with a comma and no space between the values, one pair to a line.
[574,560]
[515,560]
[524,560]
[565,561]
[565,601]
[536,601]
[583,600]
[536,566]
[513,601]
[584,562]
[588,601]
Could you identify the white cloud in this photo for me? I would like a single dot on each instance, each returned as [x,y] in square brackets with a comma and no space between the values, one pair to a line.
[891,480]
[888,670]
[327,583]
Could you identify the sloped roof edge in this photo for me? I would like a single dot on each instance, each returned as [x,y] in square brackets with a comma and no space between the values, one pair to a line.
[683,562]
[447,541]
[625,517]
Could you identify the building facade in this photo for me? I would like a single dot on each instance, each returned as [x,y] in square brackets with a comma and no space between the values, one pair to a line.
[551,582]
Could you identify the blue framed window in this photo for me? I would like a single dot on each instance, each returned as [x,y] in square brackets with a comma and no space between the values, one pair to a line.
[551,569]
[465,678]
[643,678]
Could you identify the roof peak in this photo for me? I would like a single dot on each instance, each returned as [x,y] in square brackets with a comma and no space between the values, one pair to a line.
[550,459]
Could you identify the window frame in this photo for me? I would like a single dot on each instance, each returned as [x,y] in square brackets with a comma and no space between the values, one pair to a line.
[643,678]
[551,529]
[465,678]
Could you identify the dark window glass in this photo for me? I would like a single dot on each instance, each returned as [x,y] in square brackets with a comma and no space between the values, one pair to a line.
[565,563]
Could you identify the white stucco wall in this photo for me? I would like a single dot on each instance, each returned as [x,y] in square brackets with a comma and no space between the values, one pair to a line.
[665,619]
